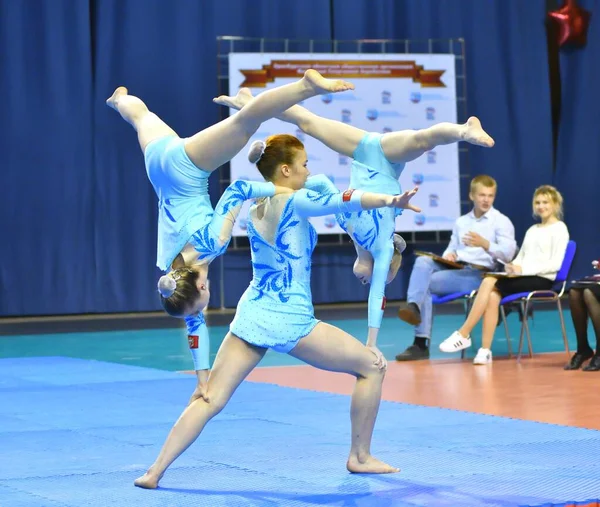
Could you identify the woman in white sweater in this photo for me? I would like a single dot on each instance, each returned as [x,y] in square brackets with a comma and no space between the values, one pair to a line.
[534,268]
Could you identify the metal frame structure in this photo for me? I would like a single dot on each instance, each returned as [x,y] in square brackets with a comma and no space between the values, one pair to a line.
[526,303]
[229,44]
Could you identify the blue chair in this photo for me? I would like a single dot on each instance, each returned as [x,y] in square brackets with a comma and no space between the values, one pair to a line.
[467,298]
[527,298]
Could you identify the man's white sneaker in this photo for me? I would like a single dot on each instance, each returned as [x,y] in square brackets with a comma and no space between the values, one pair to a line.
[484,356]
[455,342]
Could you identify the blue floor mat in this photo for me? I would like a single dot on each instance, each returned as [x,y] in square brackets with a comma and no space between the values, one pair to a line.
[76,433]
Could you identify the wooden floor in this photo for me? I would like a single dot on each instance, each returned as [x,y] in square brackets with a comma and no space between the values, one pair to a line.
[535,389]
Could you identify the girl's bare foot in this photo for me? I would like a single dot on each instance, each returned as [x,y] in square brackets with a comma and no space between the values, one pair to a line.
[113,100]
[474,134]
[321,85]
[370,465]
[238,102]
[148,480]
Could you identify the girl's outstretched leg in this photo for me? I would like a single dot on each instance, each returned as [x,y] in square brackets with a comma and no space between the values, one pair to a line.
[337,136]
[218,144]
[133,110]
[332,349]
[234,361]
[406,145]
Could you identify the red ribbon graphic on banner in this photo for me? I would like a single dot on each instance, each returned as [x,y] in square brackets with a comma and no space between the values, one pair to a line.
[343,69]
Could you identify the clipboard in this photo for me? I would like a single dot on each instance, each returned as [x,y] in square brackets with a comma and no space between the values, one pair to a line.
[588,281]
[501,274]
[446,262]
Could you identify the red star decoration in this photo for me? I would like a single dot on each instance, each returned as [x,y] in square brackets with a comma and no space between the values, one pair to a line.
[572,22]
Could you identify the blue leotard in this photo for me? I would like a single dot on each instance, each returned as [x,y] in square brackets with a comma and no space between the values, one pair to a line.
[372,230]
[185,215]
[276,310]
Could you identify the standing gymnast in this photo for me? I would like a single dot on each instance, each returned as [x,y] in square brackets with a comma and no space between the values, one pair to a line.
[378,161]
[190,233]
[276,310]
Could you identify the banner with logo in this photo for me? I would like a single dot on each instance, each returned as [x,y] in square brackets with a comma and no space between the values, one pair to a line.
[393,92]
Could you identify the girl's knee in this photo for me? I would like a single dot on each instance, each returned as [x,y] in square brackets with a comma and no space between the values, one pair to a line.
[375,373]
[216,403]
[370,370]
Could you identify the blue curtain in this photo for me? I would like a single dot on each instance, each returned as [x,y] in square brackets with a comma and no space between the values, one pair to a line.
[78,214]
[156,51]
[578,154]
[48,227]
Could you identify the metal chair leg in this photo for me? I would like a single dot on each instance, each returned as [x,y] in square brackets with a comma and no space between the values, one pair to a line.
[505,322]
[562,325]
[467,310]
[432,321]
[527,333]
[521,337]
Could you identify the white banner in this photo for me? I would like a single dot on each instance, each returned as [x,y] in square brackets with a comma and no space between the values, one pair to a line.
[393,92]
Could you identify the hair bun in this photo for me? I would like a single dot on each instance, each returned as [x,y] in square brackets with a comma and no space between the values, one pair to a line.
[166,286]
[257,148]
[399,243]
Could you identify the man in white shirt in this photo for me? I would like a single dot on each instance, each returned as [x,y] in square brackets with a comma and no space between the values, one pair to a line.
[481,237]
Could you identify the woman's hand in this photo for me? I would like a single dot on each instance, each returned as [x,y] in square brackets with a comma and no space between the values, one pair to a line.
[513,269]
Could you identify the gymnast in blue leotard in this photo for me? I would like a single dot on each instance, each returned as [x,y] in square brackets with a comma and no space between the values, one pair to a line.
[276,310]
[190,233]
[378,161]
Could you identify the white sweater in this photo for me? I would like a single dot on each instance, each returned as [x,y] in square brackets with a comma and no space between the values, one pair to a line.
[543,250]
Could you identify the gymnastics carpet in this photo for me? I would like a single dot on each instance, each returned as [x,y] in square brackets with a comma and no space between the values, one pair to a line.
[77,432]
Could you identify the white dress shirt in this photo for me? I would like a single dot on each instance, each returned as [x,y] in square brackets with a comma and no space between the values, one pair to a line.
[493,226]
